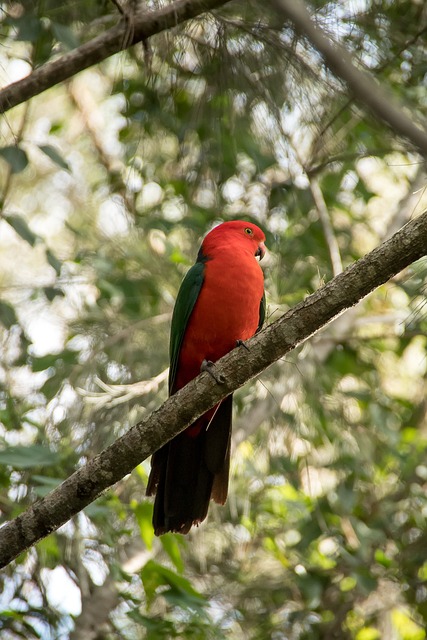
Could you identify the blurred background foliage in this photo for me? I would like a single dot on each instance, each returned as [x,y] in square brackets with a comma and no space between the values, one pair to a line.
[108,183]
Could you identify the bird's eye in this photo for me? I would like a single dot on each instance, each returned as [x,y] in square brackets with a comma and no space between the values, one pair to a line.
[249,231]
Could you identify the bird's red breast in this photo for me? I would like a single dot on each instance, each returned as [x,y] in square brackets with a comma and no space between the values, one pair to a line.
[227,309]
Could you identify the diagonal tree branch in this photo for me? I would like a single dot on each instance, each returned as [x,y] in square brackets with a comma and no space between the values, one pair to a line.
[180,410]
[365,89]
[144,24]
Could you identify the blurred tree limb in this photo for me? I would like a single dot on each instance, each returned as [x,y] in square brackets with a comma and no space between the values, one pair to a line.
[130,30]
[180,410]
[364,87]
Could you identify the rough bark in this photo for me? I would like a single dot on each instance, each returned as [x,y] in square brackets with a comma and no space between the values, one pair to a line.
[180,410]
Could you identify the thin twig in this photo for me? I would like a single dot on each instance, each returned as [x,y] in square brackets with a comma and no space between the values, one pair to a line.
[325,221]
[87,109]
[115,394]
[406,206]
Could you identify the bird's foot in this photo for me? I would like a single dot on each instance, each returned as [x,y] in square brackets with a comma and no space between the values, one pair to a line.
[241,343]
[209,367]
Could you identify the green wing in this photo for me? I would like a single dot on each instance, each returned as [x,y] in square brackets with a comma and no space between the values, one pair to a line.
[184,305]
[262,307]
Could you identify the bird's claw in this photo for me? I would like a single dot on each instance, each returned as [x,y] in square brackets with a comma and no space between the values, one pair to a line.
[241,343]
[209,367]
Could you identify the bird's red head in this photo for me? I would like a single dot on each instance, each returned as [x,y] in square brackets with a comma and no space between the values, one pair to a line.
[237,232]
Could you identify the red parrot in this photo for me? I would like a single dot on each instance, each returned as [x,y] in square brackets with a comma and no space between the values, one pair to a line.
[220,303]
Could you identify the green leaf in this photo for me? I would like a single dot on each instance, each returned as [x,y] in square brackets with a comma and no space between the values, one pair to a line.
[53,261]
[47,480]
[7,315]
[382,558]
[28,27]
[65,35]
[154,575]
[408,629]
[144,512]
[53,292]
[46,485]
[368,633]
[54,155]
[97,510]
[56,127]
[41,363]
[312,589]
[22,229]
[15,157]
[157,627]
[366,581]
[170,543]
[9,415]
[22,457]
[49,552]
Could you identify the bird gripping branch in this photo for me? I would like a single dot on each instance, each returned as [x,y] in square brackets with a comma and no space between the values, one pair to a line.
[220,304]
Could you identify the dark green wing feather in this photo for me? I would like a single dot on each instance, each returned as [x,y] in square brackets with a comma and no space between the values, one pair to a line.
[184,305]
[262,308]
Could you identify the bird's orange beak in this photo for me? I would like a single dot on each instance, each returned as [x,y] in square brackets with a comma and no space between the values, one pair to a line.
[260,252]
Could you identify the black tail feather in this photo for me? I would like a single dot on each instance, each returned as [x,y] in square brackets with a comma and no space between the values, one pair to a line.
[188,471]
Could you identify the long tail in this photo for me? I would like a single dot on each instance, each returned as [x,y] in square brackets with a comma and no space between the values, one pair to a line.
[189,470]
